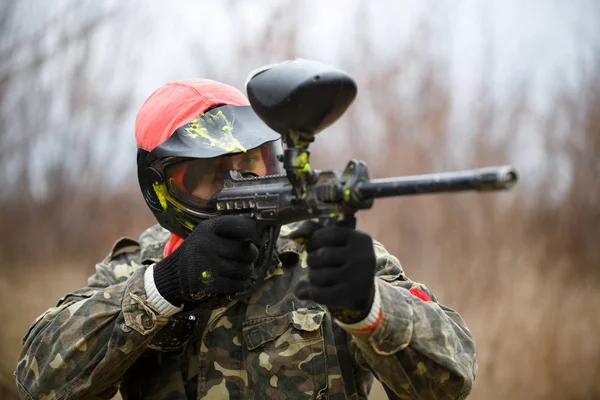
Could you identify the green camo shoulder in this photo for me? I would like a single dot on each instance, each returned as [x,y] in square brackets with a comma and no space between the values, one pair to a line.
[129,255]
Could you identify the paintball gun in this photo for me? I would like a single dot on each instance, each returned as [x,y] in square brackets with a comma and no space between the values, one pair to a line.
[298,99]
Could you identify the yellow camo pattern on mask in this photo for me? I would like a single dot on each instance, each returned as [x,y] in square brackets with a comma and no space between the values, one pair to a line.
[222,138]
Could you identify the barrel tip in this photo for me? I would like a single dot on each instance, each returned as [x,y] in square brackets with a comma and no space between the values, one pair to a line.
[508,177]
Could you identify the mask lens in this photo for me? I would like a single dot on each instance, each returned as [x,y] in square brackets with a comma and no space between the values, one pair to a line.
[196,181]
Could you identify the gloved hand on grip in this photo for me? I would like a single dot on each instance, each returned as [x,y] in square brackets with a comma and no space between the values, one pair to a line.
[341,271]
[217,258]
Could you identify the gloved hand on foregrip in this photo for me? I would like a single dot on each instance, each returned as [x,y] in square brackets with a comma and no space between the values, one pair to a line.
[217,258]
[341,270]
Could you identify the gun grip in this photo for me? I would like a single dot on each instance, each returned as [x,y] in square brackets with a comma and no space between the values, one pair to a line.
[349,221]
[307,228]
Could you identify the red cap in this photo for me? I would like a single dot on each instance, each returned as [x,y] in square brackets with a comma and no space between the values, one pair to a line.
[177,103]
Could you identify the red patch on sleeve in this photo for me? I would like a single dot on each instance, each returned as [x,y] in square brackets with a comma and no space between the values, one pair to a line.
[415,291]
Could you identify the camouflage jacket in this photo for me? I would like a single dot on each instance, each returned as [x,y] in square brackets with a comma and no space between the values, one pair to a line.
[106,337]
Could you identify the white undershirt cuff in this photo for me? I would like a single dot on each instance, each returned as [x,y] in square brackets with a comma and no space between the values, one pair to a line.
[372,319]
[154,297]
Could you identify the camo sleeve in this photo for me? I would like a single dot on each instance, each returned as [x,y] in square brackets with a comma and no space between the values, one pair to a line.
[82,347]
[420,349]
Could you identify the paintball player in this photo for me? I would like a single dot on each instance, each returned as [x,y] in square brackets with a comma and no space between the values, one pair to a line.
[209,307]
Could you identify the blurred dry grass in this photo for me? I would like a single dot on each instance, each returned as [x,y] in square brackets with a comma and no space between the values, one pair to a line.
[522,267]
[522,270]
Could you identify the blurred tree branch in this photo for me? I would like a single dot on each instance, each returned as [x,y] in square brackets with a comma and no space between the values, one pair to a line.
[520,267]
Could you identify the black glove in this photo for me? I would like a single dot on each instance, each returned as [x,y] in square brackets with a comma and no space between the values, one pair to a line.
[341,272]
[217,258]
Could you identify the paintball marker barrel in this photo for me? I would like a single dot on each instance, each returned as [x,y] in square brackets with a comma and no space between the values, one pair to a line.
[298,99]
[482,179]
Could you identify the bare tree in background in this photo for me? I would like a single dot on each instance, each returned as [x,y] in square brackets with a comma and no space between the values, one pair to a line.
[521,267]
[59,113]
[61,109]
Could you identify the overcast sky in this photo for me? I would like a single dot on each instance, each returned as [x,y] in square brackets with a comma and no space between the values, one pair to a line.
[546,45]
[535,41]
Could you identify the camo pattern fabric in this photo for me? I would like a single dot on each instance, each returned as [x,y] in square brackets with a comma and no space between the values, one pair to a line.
[106,337]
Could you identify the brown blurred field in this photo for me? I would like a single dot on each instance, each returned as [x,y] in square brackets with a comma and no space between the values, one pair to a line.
[522,267]
[523,272]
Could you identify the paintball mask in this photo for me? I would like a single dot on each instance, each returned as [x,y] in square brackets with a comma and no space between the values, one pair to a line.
[179,175]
